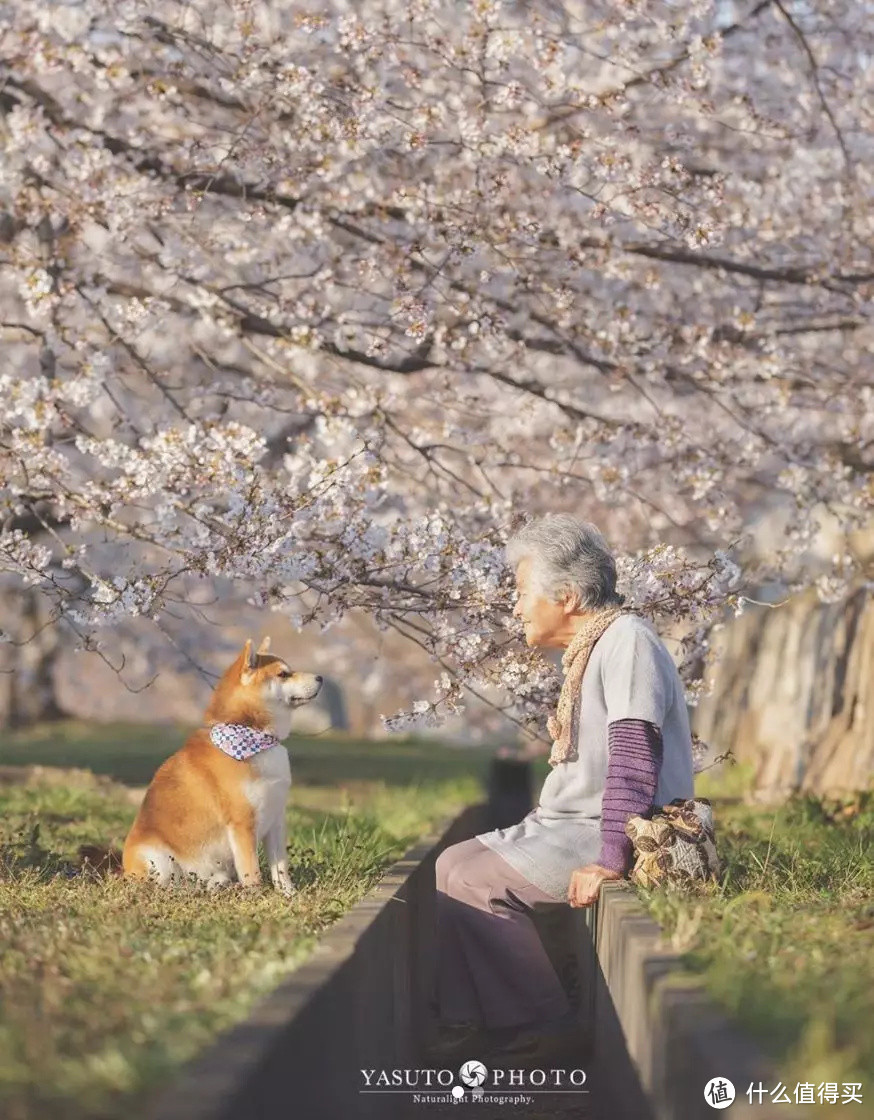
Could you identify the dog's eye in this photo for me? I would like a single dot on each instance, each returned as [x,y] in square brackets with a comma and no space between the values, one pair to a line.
[283,673]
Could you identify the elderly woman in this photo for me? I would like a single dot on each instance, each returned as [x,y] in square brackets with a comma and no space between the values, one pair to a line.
[622,743]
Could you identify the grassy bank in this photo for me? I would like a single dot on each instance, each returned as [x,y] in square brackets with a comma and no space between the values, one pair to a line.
[786,942]
[107,987]
[130,753]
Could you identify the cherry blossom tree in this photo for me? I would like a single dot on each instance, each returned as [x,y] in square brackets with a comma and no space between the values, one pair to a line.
[315,303]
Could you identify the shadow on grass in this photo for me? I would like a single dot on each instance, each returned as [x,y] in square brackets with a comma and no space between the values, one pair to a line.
[23,853]
[318,841]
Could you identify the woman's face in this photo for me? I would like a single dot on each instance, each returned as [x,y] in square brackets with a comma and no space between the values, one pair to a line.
[545,622]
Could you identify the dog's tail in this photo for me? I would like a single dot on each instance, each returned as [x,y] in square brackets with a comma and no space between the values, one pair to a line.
[103,861]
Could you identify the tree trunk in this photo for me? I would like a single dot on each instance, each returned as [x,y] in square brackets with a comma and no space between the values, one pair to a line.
[790,695]
[27,670]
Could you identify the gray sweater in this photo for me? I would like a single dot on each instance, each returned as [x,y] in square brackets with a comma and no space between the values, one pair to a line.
[630,675]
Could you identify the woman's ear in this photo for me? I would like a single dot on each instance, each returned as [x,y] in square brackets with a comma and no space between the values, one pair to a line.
[571,602]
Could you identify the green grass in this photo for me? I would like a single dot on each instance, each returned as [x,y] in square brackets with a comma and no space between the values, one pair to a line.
[785,943]
[106,986]
[130,753]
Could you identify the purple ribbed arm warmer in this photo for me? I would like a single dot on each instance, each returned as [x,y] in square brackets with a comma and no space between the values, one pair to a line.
[635,758]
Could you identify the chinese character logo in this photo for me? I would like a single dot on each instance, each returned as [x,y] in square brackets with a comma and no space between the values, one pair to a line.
[719,1092]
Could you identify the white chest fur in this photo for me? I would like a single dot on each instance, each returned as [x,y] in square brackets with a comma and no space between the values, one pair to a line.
[268,786]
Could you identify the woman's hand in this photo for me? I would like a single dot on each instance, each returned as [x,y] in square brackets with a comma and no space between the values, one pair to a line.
[585,884]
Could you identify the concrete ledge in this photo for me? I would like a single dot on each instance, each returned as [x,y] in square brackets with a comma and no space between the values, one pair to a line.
[658,1036]
[358,1002]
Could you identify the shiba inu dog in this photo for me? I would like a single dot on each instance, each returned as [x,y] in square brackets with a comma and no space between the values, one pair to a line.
[212,802]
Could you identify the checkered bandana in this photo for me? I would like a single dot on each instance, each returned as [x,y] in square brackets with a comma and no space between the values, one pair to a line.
[241,742]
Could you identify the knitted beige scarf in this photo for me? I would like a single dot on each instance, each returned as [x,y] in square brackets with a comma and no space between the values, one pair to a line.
[574,662]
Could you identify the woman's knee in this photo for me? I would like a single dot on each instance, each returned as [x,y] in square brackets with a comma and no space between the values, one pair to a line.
[452,857]
[446,862]
[470,879]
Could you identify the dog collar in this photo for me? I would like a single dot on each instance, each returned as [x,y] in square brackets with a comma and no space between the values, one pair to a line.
[241,742]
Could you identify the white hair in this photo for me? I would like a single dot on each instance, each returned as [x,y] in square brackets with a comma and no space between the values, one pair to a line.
[567,555]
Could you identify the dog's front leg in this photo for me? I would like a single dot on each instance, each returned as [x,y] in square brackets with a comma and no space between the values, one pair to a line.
[276,843]
[244,847]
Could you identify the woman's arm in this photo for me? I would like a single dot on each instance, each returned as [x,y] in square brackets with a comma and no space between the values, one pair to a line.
[635,758]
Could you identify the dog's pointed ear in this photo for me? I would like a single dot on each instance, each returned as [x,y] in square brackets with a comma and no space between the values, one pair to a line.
[265,645]
[248,658]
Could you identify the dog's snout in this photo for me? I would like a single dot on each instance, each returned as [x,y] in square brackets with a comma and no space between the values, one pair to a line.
[318,679]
